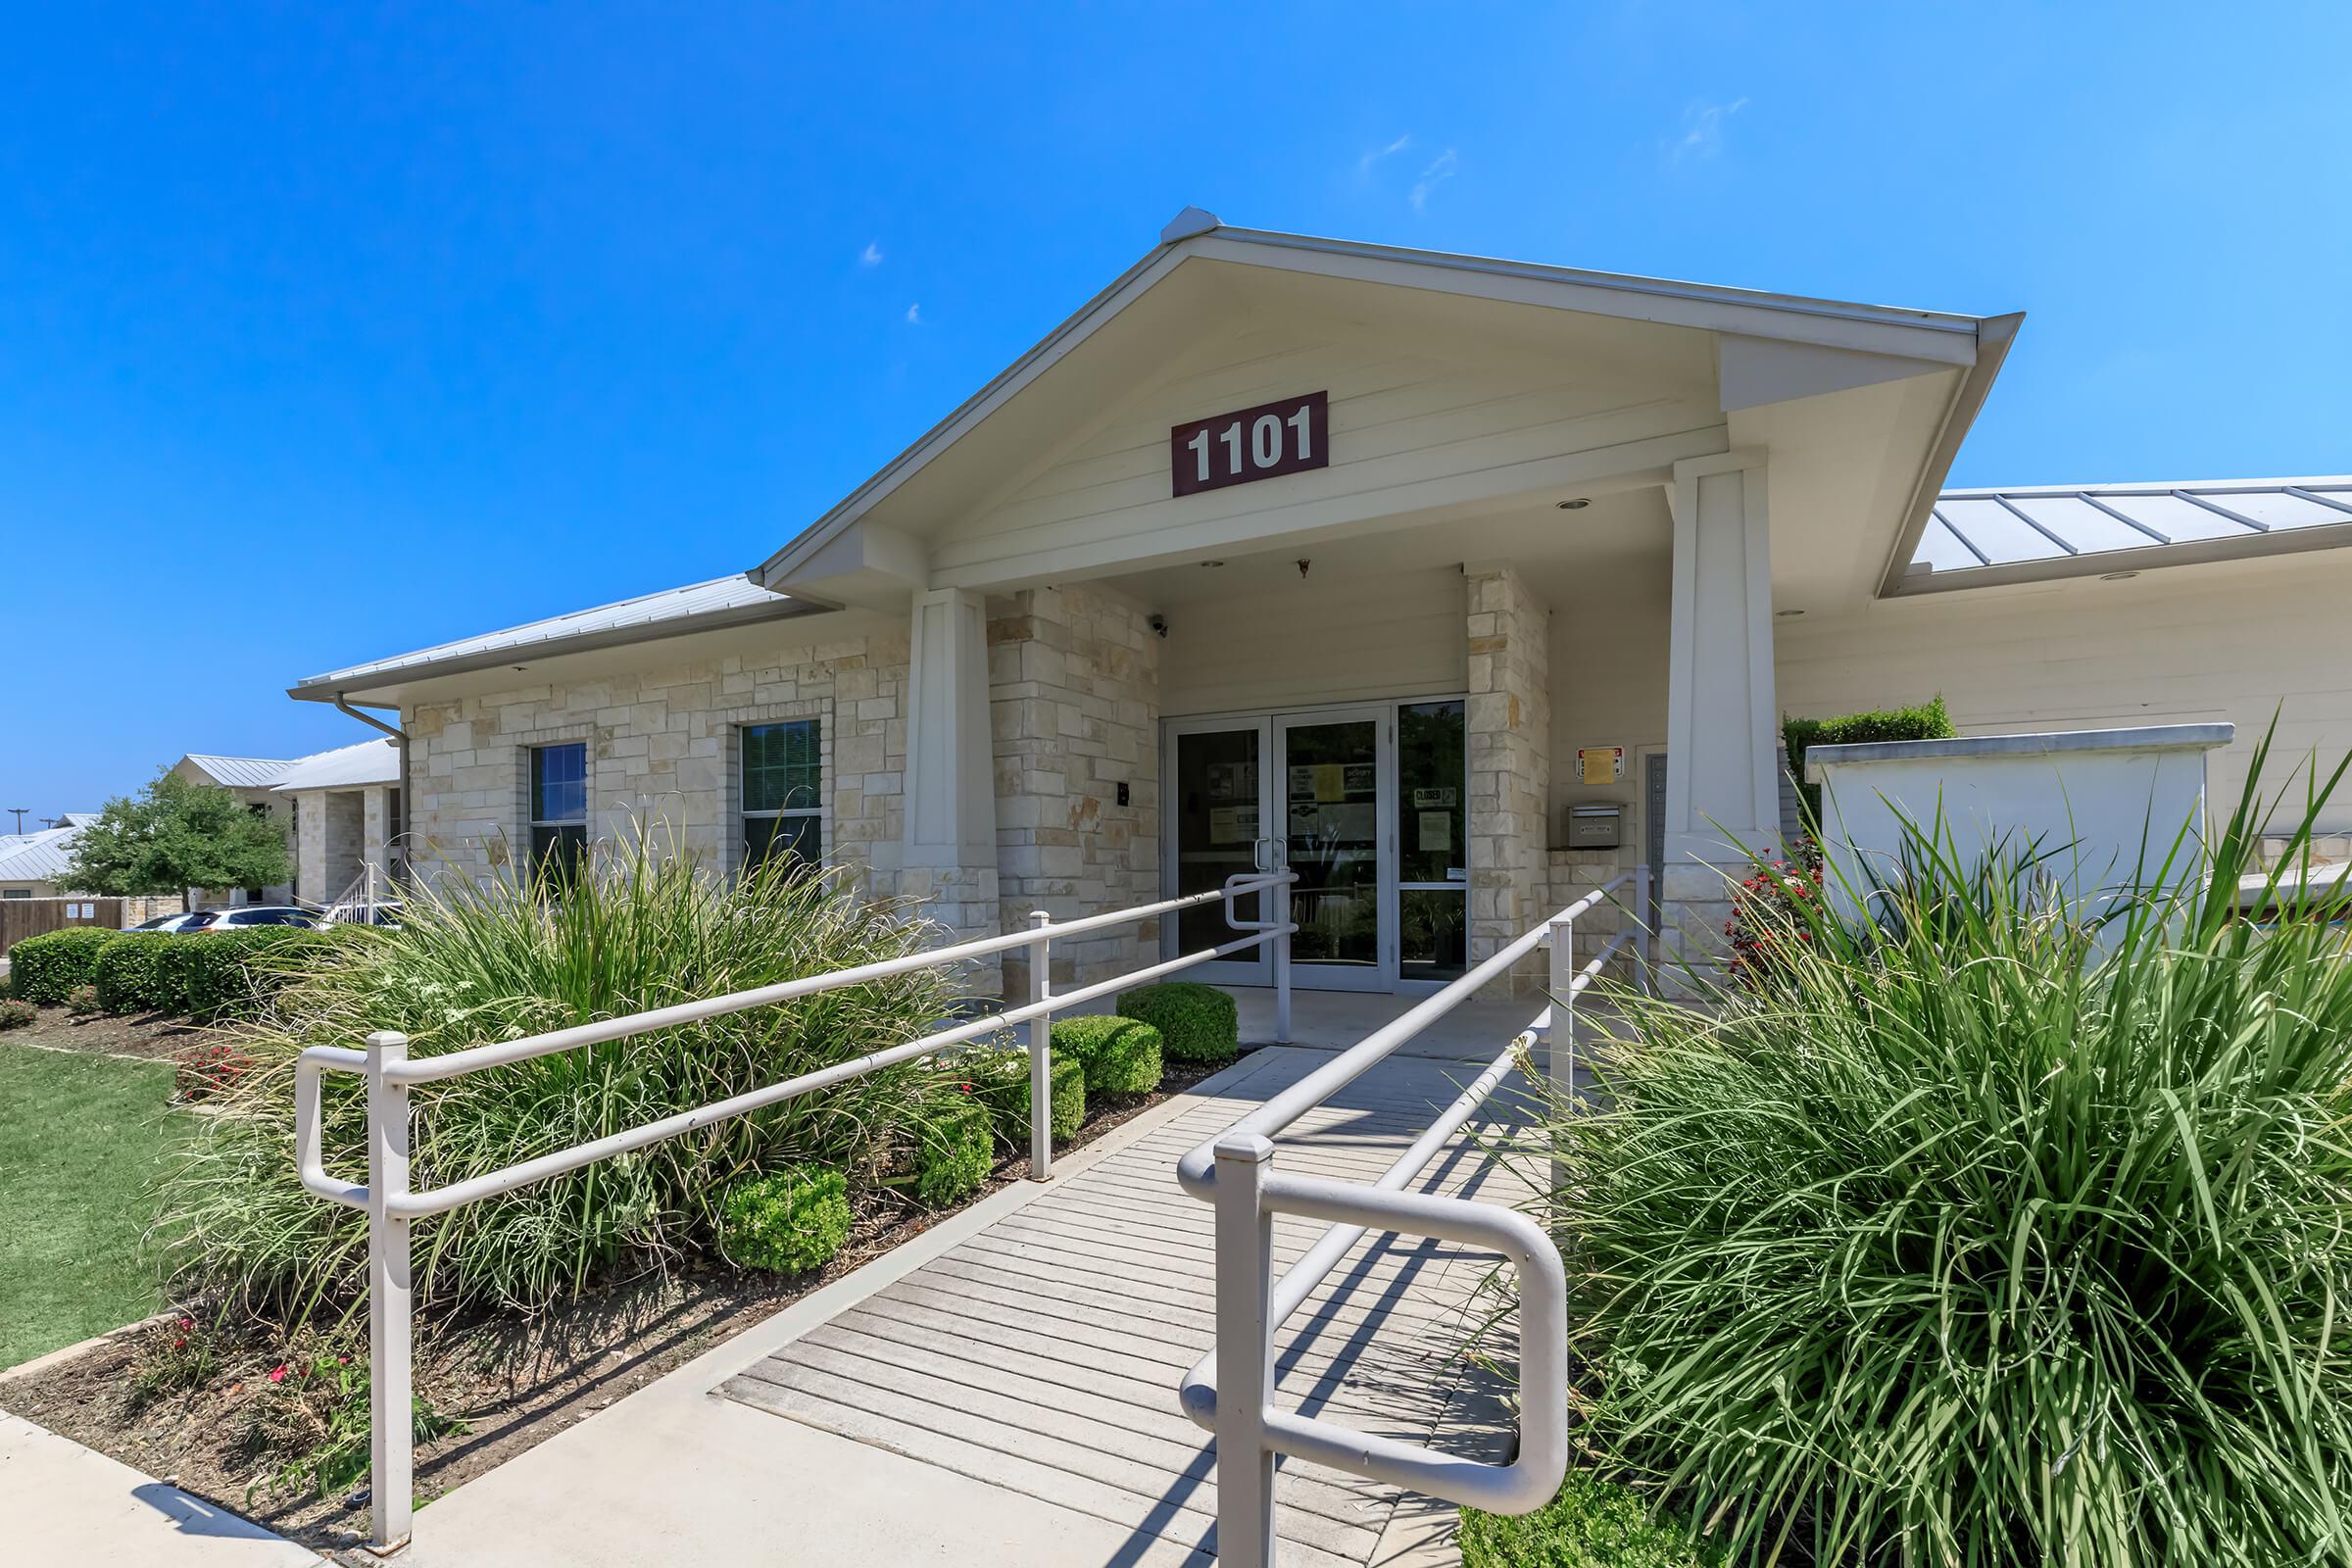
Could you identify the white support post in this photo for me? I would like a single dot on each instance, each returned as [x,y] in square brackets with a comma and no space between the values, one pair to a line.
[1245,1282]
[1646,942]
[1040,1050]
[1559,1040]
[392,1462]
[1278,900]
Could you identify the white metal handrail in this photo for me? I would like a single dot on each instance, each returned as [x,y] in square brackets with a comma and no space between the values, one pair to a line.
[390,1073]
[1230,1391]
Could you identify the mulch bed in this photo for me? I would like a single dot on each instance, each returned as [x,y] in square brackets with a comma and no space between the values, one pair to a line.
[514,1382]
[154,1035]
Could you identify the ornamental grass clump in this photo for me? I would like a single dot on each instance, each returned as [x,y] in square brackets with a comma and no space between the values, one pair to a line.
[469,966]
[1998,1231]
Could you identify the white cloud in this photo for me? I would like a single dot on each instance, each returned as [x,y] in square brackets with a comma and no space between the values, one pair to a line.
[1702,130]
[871,256]
[1441,170]
[1376,156]
[914,316]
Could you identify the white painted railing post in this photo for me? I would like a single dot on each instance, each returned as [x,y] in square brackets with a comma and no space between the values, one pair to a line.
[1645,946]
[392,1429]
[1278,898]
[1040,1050]
[1245,1284]
[1559,1040]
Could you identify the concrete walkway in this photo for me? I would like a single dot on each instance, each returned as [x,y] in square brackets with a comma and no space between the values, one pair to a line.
[1000,1392]
[64,1504]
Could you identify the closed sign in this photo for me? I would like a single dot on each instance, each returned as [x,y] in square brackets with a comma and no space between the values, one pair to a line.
[1260,443]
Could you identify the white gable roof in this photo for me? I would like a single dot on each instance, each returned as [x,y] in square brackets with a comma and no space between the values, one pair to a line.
[238,773]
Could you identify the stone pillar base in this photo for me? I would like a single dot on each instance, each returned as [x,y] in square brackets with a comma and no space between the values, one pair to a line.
[963,901]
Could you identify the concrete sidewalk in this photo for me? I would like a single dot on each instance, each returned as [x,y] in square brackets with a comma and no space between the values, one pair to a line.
[62,1505]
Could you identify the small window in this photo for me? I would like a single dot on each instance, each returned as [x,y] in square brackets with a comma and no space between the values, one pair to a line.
[16,893]
[783,792]
[558,810]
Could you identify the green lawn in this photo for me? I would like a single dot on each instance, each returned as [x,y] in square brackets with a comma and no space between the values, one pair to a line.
[82,1139]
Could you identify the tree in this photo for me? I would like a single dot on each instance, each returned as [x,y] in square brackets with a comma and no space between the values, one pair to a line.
[175,835]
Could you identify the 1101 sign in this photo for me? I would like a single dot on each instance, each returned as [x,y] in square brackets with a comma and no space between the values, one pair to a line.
[1260,443]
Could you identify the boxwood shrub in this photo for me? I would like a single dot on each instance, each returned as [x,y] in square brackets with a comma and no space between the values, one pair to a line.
[1000,1081]
[45,970]
[955,1149]
[134,975]
[1196,1022]
[226,976]
[1591,1524]
[1120,1055]
[790,1220]
[1921,721]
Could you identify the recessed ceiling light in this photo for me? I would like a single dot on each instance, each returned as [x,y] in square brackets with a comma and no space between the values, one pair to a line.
[1577,504]
[1212,562]
[2117,576]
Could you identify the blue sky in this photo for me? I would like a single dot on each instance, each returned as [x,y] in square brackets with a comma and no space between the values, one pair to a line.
[331,331]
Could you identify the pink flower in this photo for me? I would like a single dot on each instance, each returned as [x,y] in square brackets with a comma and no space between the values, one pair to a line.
[277,1373]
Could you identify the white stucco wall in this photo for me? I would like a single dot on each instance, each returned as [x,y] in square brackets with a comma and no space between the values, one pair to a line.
[2100,811]
[1331,638]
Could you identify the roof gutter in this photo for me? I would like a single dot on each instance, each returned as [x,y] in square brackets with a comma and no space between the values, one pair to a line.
[399,857]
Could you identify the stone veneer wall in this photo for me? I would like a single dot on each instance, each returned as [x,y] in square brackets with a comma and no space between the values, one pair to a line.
[1509,738]
[662,749]
[1074,711]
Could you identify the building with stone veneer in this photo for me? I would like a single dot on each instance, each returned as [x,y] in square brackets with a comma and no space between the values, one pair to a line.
[1373,563]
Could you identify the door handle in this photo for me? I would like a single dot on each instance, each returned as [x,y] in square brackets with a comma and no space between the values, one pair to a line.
[1259,855]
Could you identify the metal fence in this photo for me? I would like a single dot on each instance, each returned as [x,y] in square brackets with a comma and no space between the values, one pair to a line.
[1230,1391]
[390,1073]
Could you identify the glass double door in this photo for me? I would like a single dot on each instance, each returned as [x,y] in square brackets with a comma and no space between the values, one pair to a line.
[1364,802]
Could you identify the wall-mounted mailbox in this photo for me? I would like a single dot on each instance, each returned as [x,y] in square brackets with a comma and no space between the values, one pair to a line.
[1593,827]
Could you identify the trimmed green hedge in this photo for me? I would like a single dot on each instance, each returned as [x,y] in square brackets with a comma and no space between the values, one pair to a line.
[223,976]
[1196,1022]
[1001,1081]
[789,1221]
[956,1151]
[45,970]
[1591,1524]
[134,976]
[1921,721]
[1120,1055]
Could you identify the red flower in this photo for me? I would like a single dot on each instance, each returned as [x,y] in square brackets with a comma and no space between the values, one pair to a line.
[277,1373]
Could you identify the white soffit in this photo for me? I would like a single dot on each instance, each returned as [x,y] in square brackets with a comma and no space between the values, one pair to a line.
[1979,537]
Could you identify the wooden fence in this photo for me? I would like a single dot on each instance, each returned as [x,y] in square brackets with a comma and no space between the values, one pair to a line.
[31,918]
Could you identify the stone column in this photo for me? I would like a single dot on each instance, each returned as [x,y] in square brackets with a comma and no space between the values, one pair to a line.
[1722,719]
[949,841]
[1509,739]
[1074,689]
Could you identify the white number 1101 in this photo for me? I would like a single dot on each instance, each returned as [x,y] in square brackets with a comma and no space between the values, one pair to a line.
[1265,444]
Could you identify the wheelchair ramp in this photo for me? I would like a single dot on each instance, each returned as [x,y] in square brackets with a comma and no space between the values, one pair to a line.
[1041,1356]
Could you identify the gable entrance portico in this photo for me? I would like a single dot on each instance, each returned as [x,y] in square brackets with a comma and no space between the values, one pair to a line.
[1543,498]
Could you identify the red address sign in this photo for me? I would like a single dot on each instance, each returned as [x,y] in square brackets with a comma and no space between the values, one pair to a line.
[1260,443]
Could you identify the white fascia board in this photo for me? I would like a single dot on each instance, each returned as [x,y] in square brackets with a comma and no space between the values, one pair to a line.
[1994,335]
[1937,337]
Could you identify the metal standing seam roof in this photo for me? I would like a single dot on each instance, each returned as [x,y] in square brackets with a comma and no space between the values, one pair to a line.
[37,856]
[240,773]
[376,762]
[721,600]
[1977,530]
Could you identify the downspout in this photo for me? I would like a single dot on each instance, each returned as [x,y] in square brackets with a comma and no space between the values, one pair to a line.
[408,801]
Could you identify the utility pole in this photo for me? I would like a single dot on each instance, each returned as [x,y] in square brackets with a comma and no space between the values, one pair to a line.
[20,811]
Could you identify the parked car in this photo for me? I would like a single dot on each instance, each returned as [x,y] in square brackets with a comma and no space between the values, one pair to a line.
[173,922]
[251,915]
